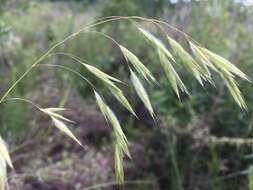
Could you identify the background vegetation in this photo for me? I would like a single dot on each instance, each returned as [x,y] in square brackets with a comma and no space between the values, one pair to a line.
[200,142]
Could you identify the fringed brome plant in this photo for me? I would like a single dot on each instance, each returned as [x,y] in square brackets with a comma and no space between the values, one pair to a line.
[198,60]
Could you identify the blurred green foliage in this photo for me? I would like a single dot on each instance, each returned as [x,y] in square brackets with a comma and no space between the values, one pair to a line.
[221,26]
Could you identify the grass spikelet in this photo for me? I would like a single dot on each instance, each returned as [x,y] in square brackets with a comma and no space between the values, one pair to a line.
[111,117]
[141,92]
[100,74]
[227,71]
[56,109]
[157,43]
[4,153]
[174,79]
[121,138]
[62,127]
[108,80]
[122,99]
[101,104]
[137,64]
[202,58]
[58,122]
[51,112]
[223,64]
[3,173]
[121,144]
[118,164]
[119,95]
[235,91]
[116,92]
[187,60]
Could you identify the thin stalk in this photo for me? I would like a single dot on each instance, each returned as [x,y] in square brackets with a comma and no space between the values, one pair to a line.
[99,22]
[75,58]
[70,70]
[152,21]
[41,58]
[64,98]
[113,40]
[23,100]
[60,105]
[175,164]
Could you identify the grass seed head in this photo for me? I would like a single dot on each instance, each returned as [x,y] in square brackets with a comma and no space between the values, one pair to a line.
[156,43]
[4,153]
[62,127]
[3,174]
[187,60]
[138,65]
[141,92]
[173,77]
